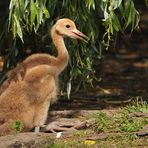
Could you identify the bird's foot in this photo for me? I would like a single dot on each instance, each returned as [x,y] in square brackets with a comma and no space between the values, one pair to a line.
[55,127]
[65,125]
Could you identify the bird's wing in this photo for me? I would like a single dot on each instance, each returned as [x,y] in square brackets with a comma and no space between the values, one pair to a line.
[19,71]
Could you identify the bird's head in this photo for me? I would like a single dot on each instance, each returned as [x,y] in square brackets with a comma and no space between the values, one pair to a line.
[67,28]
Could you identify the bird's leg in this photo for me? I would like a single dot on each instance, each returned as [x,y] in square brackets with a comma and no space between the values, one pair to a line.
[40,116]
[37,129]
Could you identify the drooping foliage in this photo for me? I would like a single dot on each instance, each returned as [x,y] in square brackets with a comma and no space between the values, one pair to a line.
[26,29]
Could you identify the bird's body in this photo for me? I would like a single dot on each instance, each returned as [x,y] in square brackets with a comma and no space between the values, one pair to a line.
[33,85]
[28,100]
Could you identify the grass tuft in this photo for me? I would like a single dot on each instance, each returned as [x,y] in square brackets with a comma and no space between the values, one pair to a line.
[102,121]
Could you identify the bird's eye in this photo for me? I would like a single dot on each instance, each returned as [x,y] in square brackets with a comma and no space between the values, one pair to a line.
[67,26]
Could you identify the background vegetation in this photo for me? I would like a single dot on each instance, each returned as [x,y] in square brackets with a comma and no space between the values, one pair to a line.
[25,26]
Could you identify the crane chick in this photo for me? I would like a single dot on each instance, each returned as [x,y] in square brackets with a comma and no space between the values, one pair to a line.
[33,85]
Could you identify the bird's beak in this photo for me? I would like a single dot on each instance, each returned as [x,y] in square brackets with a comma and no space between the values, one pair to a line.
[79,35]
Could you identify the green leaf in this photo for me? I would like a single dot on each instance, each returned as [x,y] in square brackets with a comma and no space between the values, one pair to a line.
[68,89]
[39,15]
[116,23]
[14,29]
[22,7]
[146,2]
[19,29]
[32,13]
[91,4]
[131,15]
[11,8]
[45,12]
[116,3]
[26,4]
[106,15]
[127,8]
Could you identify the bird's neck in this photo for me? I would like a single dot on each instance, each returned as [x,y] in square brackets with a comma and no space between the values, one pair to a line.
[62,57]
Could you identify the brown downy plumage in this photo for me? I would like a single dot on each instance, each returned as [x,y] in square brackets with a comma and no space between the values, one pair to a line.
[32,86]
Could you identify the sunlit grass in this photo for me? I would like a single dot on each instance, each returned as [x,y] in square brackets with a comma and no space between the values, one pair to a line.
[119,127]
[121,121]
[138,106]
[133,125]
[102,121]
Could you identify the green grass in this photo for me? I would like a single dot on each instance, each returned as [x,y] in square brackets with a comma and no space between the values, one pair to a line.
[138,106]
[102,121]
[121,121]
[58,146]
[83,133]
[120,128]
[18,126]
[122,142]
[133,125]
